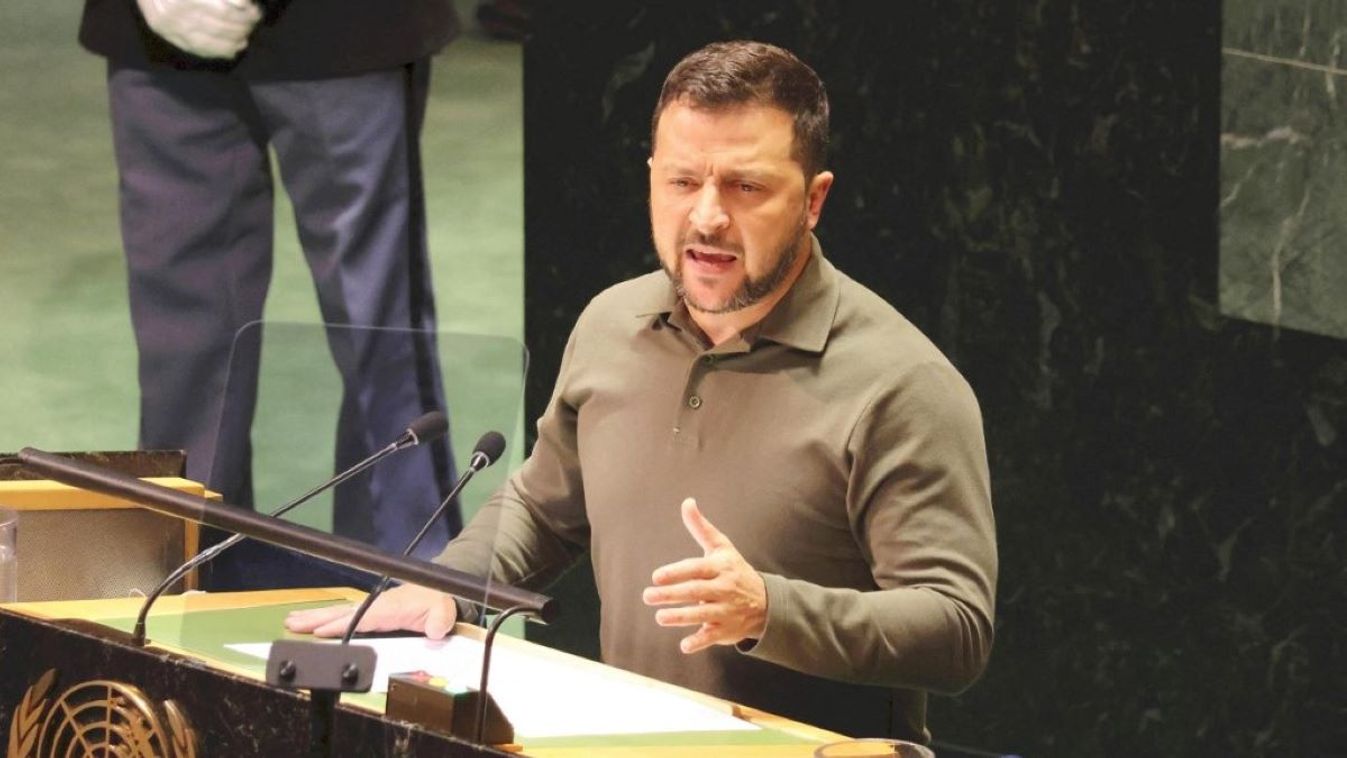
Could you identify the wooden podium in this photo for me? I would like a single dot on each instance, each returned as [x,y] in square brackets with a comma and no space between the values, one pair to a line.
[188,695]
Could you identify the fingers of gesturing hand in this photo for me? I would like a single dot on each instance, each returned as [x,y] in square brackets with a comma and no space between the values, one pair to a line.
[718,592]
[725,617]
[706,636]
[688,569]
[692,591]
[695,615]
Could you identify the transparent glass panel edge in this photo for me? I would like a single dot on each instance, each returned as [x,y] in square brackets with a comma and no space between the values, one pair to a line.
[305,401]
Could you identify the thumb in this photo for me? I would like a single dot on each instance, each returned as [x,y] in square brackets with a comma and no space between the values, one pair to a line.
[702,530]
[440,619]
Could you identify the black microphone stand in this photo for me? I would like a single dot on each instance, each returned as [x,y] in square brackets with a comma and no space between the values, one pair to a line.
[483,699]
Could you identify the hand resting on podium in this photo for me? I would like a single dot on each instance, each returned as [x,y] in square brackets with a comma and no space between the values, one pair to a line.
[408,607]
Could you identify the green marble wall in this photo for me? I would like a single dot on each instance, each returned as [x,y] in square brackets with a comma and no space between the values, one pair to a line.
[1284,164]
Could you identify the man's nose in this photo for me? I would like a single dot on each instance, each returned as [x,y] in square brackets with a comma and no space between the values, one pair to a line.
[708,215]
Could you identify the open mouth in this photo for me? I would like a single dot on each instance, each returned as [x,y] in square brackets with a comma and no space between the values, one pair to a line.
[711,259]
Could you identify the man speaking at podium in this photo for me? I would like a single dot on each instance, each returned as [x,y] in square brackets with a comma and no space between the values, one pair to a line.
[781,483]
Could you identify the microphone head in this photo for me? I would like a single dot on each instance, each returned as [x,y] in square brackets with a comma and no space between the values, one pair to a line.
[489,447]
[430,426]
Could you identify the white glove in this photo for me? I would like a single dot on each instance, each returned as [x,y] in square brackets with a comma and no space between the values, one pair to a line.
[205,28]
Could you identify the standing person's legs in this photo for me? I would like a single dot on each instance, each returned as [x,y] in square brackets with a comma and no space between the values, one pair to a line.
[196,218]
[349,156]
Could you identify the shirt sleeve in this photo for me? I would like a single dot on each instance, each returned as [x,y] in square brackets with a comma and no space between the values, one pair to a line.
[919,500]
[535,526]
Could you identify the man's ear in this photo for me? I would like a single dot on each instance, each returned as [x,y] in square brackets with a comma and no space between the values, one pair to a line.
[817,193]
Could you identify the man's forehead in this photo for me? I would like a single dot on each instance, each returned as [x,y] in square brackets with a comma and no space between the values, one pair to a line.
[684,113]
[747,133]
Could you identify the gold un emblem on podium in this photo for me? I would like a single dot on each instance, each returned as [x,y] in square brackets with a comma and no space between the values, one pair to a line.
[97,718]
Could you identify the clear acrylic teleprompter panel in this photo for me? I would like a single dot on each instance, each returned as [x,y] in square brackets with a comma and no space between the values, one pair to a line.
[300,394]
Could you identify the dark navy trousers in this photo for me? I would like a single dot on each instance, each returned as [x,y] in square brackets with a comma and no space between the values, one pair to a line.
[196,204]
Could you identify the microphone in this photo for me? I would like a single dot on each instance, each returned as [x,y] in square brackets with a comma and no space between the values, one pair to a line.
[426,428]
[487,451]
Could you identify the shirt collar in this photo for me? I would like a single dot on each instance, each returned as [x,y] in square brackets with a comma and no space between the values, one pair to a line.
[802,319]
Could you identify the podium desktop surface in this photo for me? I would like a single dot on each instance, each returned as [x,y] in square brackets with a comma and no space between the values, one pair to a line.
[208,628]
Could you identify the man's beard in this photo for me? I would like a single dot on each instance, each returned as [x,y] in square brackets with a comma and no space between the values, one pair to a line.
[753,289]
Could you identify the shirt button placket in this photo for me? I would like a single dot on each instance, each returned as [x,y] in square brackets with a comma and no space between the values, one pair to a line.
[708,362]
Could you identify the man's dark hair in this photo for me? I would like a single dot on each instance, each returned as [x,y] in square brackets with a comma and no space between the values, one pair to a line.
[728,74]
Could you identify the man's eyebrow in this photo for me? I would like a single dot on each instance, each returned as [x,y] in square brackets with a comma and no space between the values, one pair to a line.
[751,172]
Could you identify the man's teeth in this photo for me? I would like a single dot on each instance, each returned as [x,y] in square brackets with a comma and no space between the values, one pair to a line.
[711,257]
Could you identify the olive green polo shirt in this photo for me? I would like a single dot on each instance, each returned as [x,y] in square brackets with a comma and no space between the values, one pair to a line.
[833,444]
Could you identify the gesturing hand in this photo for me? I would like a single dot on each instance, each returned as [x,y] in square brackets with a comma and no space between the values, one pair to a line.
[718,592]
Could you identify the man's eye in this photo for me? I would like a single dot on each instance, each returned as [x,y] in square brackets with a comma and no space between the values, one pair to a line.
[680,182]
[745,187]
